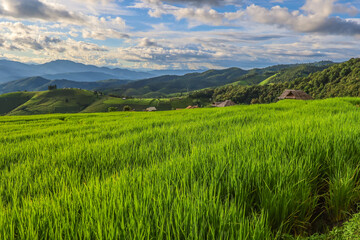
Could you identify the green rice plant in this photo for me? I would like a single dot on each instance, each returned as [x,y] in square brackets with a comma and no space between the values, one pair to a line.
[243,172]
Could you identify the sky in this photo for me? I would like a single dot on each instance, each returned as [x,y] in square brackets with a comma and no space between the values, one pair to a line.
[179,34]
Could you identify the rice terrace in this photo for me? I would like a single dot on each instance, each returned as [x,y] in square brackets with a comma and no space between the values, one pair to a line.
[245,172]
[179,120]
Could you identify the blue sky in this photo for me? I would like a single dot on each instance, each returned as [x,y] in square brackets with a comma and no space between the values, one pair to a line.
[179,34]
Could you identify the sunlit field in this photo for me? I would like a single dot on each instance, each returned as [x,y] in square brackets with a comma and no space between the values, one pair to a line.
[243,172]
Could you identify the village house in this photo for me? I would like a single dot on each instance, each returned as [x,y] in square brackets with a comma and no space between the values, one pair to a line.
[295,94]
[151,109]
[226,103]
[192,107]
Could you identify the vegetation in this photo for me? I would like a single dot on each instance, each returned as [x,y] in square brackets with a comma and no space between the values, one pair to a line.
[42,84]
[340,80]
[127,108]
[76,100]
[112,109]
[56,101]
[10,101]
[243,172]
[164,85]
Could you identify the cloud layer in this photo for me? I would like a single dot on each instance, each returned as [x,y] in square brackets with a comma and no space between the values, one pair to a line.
[178,33]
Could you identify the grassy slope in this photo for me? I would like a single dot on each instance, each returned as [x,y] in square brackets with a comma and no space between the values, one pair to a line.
[243,172]
[268,80]
[29,84]
[173,84]
[56,101]
[11,101]
[138,104]
[75,100]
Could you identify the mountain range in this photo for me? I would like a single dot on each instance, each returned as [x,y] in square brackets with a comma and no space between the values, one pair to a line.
[41,84]
[165,85]
[157,86]
[63,69]
[320,80]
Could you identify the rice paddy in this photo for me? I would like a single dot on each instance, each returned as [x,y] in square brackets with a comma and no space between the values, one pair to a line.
[243,172]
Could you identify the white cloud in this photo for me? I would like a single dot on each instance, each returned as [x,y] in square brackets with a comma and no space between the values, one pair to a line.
[315,19]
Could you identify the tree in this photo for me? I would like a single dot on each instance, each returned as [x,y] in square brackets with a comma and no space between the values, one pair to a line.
[112,109]
[52,87]
[255,101]
[127,108]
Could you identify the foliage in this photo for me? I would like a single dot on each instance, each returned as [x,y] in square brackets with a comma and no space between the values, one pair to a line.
[160,86]
[10,101]
[56,101]
[112,109]
[339,80]
[127,108]
[243,172]
[52,87]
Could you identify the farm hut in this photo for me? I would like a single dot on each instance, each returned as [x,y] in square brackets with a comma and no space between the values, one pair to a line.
[151,109]
[192,107]
[226,103]
[295,94]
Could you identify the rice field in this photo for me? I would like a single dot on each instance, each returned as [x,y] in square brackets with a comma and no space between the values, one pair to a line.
[244,172]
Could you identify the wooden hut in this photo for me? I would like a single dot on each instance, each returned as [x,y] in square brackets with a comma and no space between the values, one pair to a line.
[226,103]
[295,94]
[151,109]
[192,107]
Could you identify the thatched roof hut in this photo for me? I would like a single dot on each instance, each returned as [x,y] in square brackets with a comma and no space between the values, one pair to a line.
[226,103]
[151,109]
[192,107]
[295,94]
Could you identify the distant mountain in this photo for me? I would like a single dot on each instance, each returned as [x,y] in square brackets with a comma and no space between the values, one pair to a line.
[41,84]
[174,72]
[163,85]
[10,71]
[80,76]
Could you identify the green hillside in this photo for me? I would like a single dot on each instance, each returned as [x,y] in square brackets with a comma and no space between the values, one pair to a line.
[10,101]
[41,84]
[56,101]
[271,171]
[26,84]
[76,100]
[339,80]
[140,104]
[165,85]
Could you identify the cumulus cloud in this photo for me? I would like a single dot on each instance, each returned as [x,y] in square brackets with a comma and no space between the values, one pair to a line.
[36,9]
[316,16]
[200,2]
[146,42]
[315,19]
[20,37]
[99,28]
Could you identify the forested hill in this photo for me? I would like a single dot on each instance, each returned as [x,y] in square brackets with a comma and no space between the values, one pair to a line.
[175,84]
[161,86]
[339,80]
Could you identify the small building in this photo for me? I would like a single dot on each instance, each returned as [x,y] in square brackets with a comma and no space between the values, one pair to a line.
[295,94]
[192,107]
[226,103]
[151,109]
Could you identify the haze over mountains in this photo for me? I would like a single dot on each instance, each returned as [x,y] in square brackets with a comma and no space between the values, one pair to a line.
[108,80]
[63,69]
